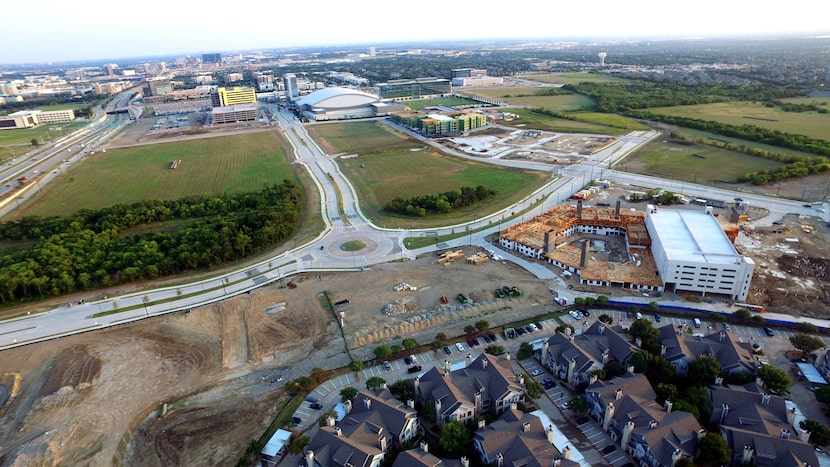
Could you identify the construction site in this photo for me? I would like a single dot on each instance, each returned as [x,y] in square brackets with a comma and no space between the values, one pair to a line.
[530,145]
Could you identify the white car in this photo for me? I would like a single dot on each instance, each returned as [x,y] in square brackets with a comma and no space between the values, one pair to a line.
[413,359]
[536,372]
[459,346]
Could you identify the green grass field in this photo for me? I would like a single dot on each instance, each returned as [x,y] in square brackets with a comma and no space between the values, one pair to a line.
[386,167]
[243,162]
[18,142]
[445,101]
[693,162]
[716,139]
[359,137]
[573,78]
[810,124]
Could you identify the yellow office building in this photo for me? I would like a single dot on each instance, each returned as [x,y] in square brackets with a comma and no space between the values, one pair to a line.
[224,97]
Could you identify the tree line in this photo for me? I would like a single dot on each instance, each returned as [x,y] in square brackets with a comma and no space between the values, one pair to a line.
[100,248]
[625,97]
[421,205]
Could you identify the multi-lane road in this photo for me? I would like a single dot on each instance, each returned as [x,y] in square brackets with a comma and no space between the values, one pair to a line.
[344,220]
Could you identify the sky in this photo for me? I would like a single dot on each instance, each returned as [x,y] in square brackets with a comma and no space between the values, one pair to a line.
[35,31]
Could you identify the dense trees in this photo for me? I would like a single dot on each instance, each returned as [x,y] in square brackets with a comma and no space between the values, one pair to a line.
[421,205]
[90,249]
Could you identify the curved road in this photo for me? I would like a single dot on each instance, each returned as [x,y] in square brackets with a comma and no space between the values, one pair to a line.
[345,221]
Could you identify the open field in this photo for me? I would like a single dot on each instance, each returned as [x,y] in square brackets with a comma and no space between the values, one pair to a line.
[379,178]
[242,162]
[359,137]
[678,160]
[387,167]
[537,121]
[573,78]
[527,97]
[418,104]
[810,124]
[21,139]
[713,138]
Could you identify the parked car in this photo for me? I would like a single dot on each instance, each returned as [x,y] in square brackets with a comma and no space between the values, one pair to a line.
[459,346]
[538,325]
[639,315]
[413,358]
[585,313]
[414,369]
[296,420]
[447,350]
[536,372]
[311,399]
[316,406]
[387,365]
[609,449]
[657,318]
[768,330]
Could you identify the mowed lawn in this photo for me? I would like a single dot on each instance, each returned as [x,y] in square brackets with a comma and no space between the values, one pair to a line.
[812,124]
[358,137]
[693,162]
[387,166]
[244,162]
[527,97]
[21,139]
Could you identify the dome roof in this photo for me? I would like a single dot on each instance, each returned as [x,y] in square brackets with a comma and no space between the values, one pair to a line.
[337,98]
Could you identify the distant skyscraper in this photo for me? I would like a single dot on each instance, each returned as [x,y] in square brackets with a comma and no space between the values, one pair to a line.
[602,56]
[372,51]
[110,67]
[290,83]
[212,58]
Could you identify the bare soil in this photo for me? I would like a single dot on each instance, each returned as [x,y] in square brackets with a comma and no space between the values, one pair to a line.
[99,398]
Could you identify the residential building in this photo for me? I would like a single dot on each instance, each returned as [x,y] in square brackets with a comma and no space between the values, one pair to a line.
[421,457]
[438,124]
[761,429]
[519,439]
[574,358]
[652,433]
[375,423]
[486,384]
[681,348]
[225,97]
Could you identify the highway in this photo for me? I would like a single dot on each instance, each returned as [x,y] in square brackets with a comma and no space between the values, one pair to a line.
[343,221]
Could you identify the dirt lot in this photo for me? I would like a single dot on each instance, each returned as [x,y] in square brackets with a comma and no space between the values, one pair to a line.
[98,398]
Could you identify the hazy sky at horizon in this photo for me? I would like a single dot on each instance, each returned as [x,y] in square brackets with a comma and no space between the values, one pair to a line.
[52,30]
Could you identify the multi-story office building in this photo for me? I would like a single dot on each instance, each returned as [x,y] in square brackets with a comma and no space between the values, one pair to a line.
[224,97]
[234,77]
[212,58]
[420,88]
[153,87]
[9,88]
[55,116]
[292,92]
[264,82]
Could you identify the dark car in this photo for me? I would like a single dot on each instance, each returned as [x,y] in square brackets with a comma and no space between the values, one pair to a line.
[582,420]
[609,449]
[414,369]
[407,360]
[316,406]
[296,420]
[538,326]
[342,302]
[447,350]
[585,313]
[499,293]
[657,317]
[520,330]
[492,337]
[768,330]
[486,338]
[475,342]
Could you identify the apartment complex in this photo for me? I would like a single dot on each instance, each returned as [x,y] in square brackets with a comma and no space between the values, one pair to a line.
[439,124]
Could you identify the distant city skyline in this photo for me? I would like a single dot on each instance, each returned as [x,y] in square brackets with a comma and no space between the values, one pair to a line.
[40,31]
